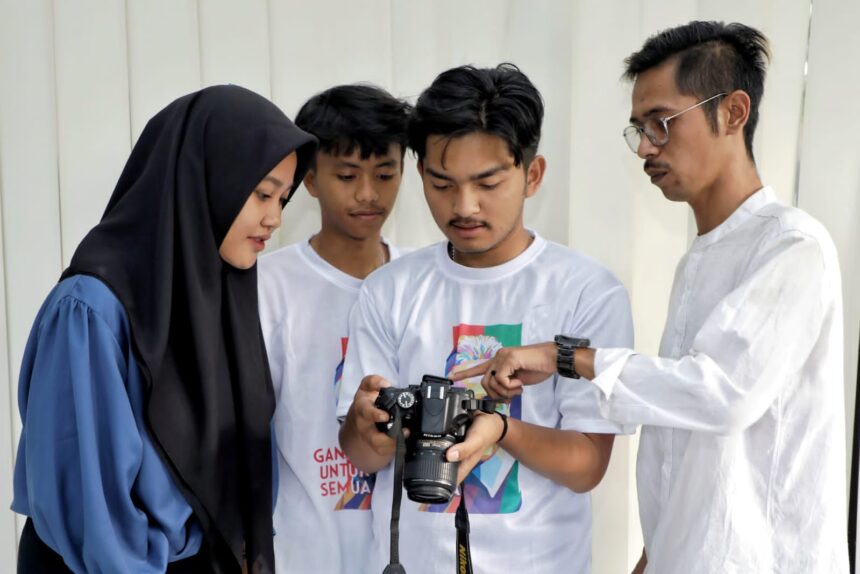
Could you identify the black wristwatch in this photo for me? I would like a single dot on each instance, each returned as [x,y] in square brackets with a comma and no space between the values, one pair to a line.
[566,350]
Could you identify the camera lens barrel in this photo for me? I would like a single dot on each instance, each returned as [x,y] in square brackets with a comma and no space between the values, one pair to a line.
[428,477]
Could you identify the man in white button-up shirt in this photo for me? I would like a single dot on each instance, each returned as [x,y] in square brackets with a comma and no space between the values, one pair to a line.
[741,463]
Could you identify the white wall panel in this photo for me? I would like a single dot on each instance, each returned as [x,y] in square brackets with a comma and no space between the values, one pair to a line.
[8,442]
[830,159]
[29,201]
[92,110]
[163,56]
[234,44]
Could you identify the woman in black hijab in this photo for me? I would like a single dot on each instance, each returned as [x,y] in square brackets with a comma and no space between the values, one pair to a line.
[144,390]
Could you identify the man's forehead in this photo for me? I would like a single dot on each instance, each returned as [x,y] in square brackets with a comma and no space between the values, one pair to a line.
[654,90]
[471,148]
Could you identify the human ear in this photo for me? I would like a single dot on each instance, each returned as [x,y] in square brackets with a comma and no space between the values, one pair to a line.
[534,174]
[737,105]
[310,182]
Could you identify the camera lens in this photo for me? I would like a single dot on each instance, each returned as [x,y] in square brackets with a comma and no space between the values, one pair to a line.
[427,476]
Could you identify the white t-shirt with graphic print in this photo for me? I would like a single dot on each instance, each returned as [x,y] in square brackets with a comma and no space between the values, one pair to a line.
[322,518]
[425,314]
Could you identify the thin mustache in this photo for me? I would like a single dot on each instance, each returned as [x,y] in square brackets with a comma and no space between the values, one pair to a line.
[657,165]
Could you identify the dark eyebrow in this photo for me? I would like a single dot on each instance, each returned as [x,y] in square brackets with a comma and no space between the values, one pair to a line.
[649,113]
[490,172]
[387,163]
[349,164]
[486,173]
[437,175]
[274,180]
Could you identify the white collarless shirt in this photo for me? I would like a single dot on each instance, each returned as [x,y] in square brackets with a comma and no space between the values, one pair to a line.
[741,463]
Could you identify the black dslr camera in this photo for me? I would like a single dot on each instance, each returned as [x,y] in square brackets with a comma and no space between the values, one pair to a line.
[437,414]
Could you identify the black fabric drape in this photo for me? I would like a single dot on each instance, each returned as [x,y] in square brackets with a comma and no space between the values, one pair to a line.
[36,557]
[194,319]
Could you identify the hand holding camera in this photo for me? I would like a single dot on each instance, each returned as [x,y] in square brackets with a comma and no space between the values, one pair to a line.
[485,431]
[368,416]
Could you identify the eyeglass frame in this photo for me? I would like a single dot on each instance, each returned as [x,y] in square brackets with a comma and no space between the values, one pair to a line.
[665,122]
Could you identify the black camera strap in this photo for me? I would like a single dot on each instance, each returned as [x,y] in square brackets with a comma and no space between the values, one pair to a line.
[394,565]
[461,520]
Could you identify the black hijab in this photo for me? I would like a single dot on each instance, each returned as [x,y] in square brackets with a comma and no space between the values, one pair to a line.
[194,320]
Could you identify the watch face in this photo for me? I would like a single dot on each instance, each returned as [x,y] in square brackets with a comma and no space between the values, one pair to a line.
[575,342]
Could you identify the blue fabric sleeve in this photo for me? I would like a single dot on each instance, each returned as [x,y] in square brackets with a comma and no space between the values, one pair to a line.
[83,450]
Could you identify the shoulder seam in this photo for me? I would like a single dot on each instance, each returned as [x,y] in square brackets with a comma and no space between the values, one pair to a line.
[92,311]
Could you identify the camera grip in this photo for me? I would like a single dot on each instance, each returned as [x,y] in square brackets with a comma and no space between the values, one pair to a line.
[386,401]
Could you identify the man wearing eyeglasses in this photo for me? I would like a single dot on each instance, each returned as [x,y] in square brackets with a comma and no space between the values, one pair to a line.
[741,463]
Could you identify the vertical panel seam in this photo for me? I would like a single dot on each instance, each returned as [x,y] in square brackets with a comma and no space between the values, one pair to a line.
[270,50]
[395,235]
[57,131]
[801,119]
[200,44]
[7,329]
[128,76]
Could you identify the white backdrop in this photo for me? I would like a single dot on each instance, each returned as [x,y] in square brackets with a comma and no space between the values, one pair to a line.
[79,79]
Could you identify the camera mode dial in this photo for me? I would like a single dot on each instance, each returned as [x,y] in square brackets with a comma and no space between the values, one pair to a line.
[405,400]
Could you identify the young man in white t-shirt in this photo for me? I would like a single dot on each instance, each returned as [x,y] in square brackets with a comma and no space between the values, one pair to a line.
[439,310]
[322,517]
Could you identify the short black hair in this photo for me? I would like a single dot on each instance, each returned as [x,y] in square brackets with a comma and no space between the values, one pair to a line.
[498,101]
[713,57]
[361,116]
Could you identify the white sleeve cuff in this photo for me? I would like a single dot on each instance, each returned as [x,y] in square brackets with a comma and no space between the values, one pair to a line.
[608,364]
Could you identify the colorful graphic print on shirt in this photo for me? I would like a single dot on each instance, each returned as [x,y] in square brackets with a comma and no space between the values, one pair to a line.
[338,476]
[493,485]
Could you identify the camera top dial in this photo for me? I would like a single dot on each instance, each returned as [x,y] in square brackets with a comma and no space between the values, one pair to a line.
[405,400]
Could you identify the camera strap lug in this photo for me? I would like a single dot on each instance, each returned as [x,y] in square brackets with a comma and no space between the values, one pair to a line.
[484,405]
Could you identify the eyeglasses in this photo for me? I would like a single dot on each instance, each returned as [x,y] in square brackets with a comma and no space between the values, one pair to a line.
[656,129]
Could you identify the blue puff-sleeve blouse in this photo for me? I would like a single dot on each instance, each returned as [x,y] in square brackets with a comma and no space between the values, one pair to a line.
[86,472]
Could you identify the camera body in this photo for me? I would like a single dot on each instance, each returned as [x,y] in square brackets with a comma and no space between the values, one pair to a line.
[437,415]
